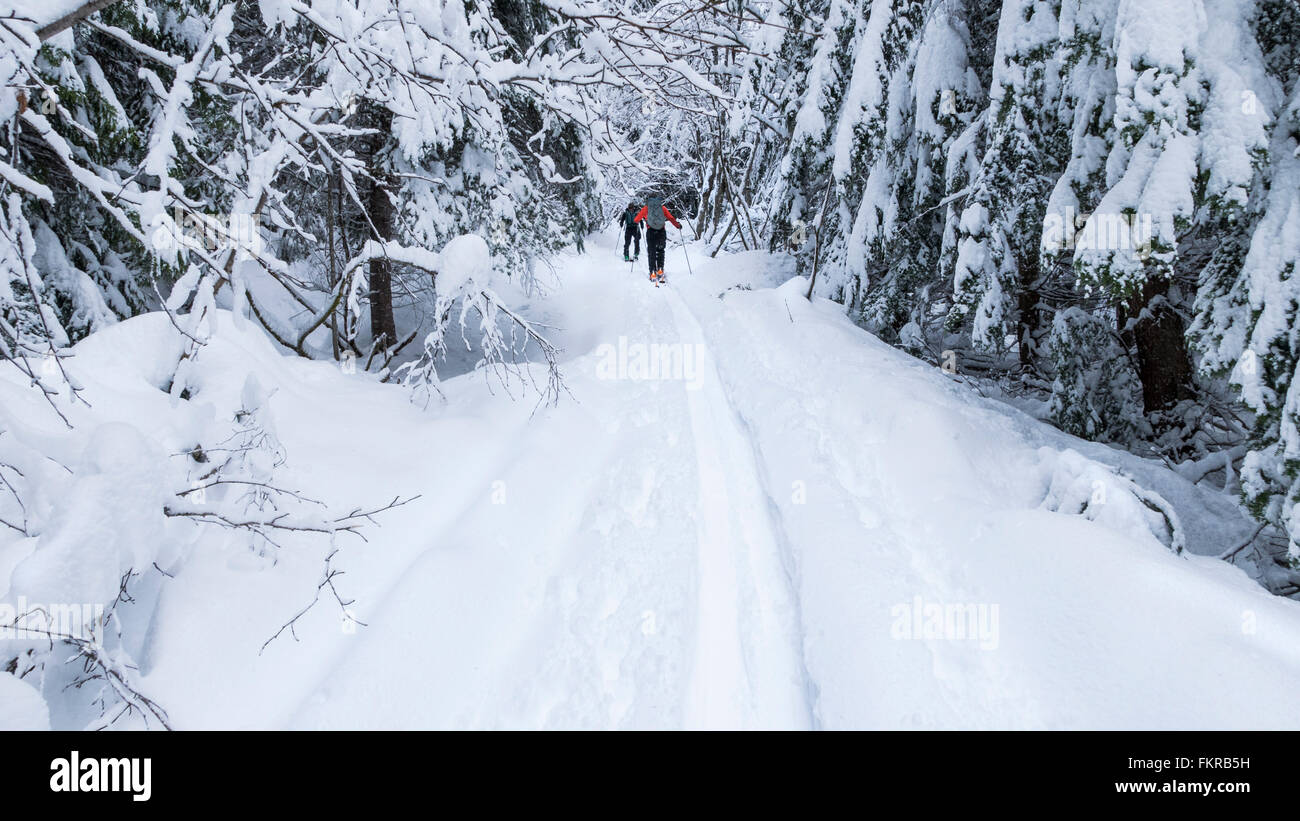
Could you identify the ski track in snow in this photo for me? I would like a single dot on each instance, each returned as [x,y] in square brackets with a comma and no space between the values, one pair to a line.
[747,638]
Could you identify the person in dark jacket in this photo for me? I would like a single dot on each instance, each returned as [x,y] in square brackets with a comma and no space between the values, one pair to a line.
[579,229]
[631,232]
[655,213]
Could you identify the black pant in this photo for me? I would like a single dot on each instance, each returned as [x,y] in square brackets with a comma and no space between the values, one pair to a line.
[655,240]
[629,235]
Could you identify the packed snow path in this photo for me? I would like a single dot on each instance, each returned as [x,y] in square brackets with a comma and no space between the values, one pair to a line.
[682,591]
[748,666]
[758,539]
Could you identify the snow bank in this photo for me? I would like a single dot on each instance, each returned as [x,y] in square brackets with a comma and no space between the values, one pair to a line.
[904,497]
[21,706]
[118,507]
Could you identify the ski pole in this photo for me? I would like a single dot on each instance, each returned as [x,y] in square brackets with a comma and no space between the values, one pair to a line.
[688,256]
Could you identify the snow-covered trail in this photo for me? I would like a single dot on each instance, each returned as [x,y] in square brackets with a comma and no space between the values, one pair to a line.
[647,590]
[756,540]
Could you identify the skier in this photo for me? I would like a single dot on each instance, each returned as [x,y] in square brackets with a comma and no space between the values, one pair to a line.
[579,228]
[631,232]
[654,213]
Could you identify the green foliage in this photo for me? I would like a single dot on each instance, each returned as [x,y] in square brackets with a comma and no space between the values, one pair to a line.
[1096,393]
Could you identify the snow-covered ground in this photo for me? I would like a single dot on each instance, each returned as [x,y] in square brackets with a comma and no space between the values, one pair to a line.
[794,526]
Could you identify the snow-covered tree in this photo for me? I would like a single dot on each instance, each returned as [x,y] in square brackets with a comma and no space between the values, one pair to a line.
[1096,393]
[1245,320]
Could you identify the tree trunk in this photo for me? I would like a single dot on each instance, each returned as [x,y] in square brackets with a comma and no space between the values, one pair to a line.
[1159,336]
[1030,320]
[334,262]
[383,326]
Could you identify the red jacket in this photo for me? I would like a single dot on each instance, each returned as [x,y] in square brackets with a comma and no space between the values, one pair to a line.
[640,215]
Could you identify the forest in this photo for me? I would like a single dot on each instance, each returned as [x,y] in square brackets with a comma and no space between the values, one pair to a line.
[1085,210]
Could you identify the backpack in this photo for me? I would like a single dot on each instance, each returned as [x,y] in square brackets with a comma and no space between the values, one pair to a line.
[654,213]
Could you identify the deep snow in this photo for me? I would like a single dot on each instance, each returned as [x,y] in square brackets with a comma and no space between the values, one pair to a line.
[751,541]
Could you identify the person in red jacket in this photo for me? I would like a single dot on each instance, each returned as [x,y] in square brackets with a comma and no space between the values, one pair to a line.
[655,213]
